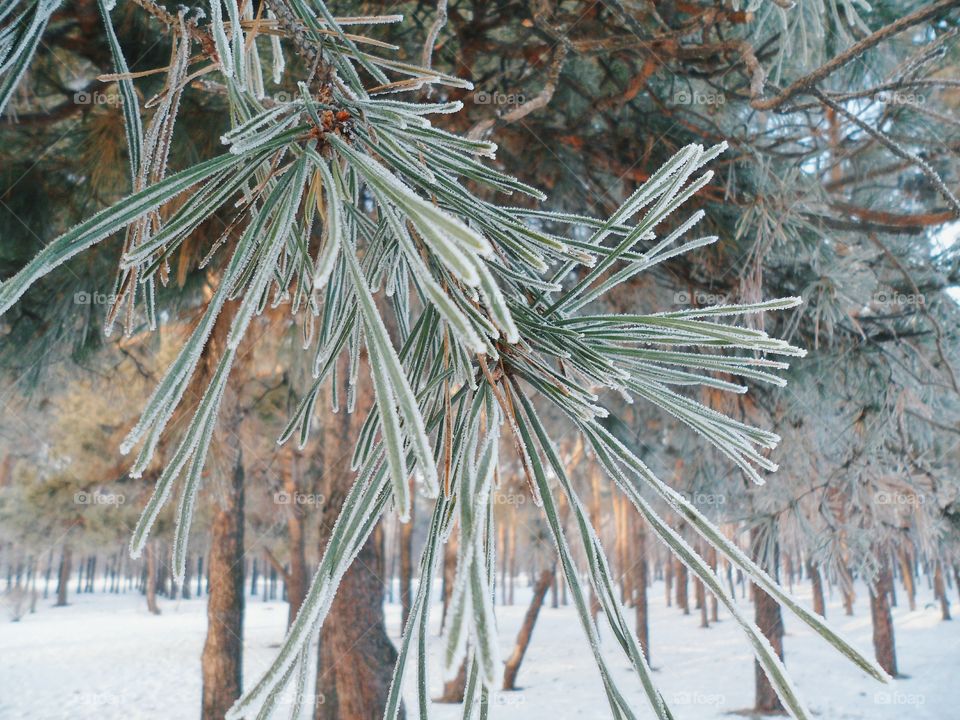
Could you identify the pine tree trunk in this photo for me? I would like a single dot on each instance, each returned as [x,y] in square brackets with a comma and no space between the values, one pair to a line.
[526,629]
[454,689]
[150,553]
[296,577]
[449,575]
[513,552]
[940,591]
[640,588]
[595,521]
[406,565]
[668,580]
[222,659]
[63,582]
[906,575]
[683,598]
[883,641]
[770,622]
[714,604]
[356,655]
[816,582]
[701,600]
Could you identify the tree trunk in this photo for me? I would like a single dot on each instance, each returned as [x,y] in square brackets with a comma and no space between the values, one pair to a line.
[816,582]
[906,573]
[449,575]
[883,641]
[668,580]
[222,658]
[940,591]
[770,621]
[683,599]
[63,582]
[150,551]
[595,521]
[513,552]
[356,656]
[296,577]
[406,564]
[526,630]
[455,689]
[640,588]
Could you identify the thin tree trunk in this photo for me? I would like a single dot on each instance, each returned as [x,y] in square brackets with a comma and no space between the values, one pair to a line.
[683,598]
[295,578]
[770,622]
[356,655]
[714,603]
[906,573]
[150,551]
[526,629]
[66,559]
[595,521]
[222,659]
[940,591]
[513,552]
[816,582]
[454,689]
[668,580]
[406,564]
[883,640]
[640,588]
[449,575]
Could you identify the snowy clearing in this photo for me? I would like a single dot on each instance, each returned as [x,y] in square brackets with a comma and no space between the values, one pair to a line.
[106,657]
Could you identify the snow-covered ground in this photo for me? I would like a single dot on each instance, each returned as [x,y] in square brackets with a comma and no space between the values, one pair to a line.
[105,657]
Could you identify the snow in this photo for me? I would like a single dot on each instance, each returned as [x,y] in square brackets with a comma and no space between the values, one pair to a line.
[104,656]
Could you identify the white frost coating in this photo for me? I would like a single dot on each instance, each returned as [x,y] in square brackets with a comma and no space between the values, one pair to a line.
[220,41]
[279,63]
[376,332]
